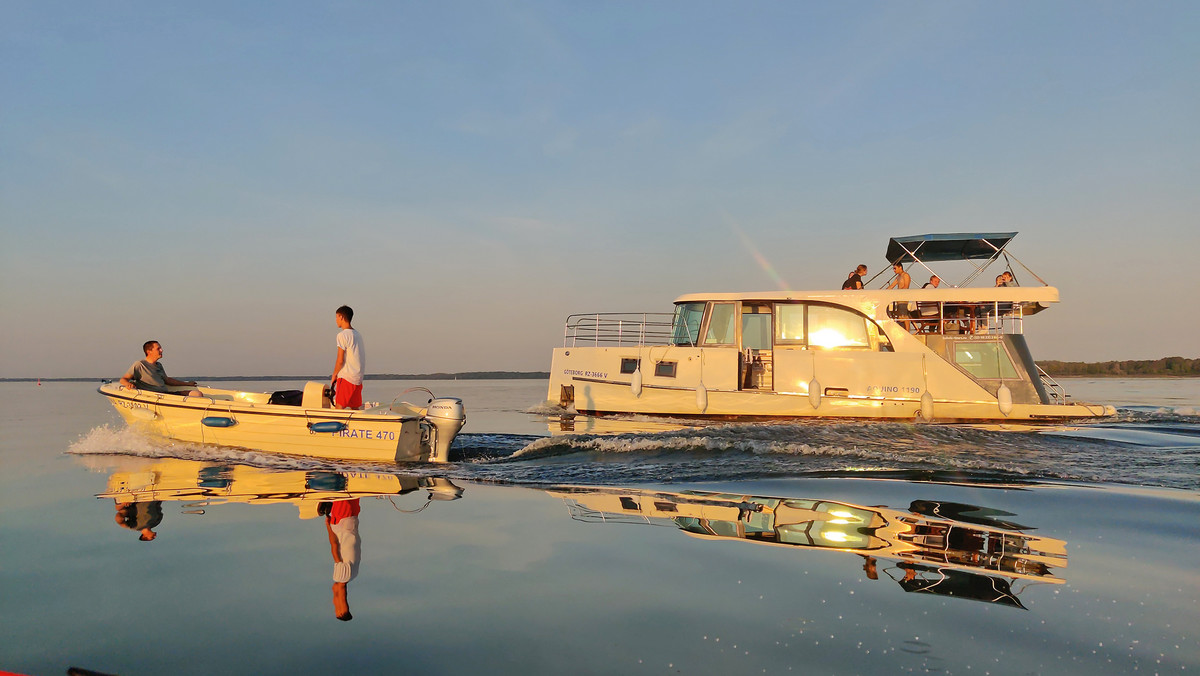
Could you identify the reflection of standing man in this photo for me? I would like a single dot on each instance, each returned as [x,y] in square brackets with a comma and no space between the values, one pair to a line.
[341,522]
[140,516]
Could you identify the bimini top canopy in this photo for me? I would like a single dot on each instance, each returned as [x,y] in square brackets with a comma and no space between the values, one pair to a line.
[948,246]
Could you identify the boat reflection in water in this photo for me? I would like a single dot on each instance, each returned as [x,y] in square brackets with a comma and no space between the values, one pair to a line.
[335,496]
[950,549]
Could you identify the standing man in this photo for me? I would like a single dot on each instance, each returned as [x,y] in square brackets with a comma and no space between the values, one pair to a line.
[351,362]
[149,374]
[902,280]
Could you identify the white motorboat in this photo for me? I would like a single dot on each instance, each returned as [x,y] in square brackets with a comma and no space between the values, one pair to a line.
[398,432]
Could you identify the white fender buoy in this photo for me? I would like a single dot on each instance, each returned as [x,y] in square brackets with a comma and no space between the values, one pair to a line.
[701,397]
[635,384]
[814,393]
[1004,398]
[927,406]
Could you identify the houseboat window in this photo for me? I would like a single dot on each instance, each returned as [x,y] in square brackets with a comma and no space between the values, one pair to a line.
[756,327]
[984,360]
[629,364]
[834,327]
[665,369]
[721,327]
[686,325]
[789,323]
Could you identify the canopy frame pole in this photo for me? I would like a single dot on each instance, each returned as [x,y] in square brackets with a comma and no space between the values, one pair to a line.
[913,254]
[1044,283]
[980,268]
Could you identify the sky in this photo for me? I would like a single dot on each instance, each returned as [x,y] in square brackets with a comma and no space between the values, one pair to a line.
[221,176]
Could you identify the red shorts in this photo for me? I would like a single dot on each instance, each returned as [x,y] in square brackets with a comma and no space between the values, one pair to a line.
[347,395]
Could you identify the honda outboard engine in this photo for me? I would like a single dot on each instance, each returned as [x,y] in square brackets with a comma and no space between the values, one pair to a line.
[447,416]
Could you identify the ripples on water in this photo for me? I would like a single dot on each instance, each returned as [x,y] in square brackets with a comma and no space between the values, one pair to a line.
[1142,446]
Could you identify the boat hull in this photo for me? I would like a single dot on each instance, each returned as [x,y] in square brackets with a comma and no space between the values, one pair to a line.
[212,419]
[704,383]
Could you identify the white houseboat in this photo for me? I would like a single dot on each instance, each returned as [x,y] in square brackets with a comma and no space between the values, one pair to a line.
[951,353]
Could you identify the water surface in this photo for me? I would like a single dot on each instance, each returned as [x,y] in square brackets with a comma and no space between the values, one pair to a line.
[676,548]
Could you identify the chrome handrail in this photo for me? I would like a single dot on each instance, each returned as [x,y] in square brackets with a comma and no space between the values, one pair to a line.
[1058,395]
[618,329]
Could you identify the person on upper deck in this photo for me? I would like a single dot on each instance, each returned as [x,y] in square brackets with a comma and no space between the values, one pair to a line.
[854,281]
[149,374]
[902,280]
[933,282]
[351,362]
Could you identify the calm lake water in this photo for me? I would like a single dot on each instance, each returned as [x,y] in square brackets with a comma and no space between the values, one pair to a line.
[556,545]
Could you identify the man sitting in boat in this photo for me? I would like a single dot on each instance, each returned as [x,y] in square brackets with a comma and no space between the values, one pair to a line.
[149,374]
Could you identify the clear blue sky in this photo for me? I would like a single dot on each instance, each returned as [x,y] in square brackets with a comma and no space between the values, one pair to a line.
[221,176]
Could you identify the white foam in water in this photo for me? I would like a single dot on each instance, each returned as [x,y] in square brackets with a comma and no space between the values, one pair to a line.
[106,440]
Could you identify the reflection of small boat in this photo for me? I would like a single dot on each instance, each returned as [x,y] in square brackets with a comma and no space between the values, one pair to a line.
[980,559]
[945,353]
[201,485]
[400,431]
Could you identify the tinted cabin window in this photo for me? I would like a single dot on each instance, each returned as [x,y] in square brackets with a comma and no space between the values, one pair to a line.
[833,327]
[665,369]
[789,323]
[628,365]
[756,327]
[984,360]
[721,327]
[686,326]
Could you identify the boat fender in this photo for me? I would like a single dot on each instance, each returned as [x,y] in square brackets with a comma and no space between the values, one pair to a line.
[814,393]
[635,384]
[1004,399]
[701,398]
[327,426]
[218,421]
[927,406]
[143,413]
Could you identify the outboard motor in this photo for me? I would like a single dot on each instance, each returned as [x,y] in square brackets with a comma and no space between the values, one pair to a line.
[447,416]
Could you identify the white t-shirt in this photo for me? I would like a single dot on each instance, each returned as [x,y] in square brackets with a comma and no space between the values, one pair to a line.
[350,548]
[351,341]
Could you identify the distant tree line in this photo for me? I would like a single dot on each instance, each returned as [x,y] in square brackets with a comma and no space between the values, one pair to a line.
[1167,366]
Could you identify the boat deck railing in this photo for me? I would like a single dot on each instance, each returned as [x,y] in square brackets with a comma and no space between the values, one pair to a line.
[1058,395]
[960,317]
[618,329]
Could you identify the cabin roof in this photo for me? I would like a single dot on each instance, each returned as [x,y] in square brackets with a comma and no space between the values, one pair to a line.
[1018,294]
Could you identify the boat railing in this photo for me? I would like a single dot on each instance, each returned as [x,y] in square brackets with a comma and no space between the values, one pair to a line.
[618,329]
[950,317]
[580,512]
[1058,395]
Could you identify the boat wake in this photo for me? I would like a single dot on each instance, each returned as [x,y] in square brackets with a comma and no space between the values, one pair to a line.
[1146,448]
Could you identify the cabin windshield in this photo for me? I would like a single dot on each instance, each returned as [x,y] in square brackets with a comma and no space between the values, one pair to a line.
[685,327]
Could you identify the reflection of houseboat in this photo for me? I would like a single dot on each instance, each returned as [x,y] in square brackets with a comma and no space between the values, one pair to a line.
[946,353]
[941,548]
[305,425]
[201,484]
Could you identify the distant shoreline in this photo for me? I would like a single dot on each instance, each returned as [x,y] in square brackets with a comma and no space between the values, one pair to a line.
[1177,367]
[469,375]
